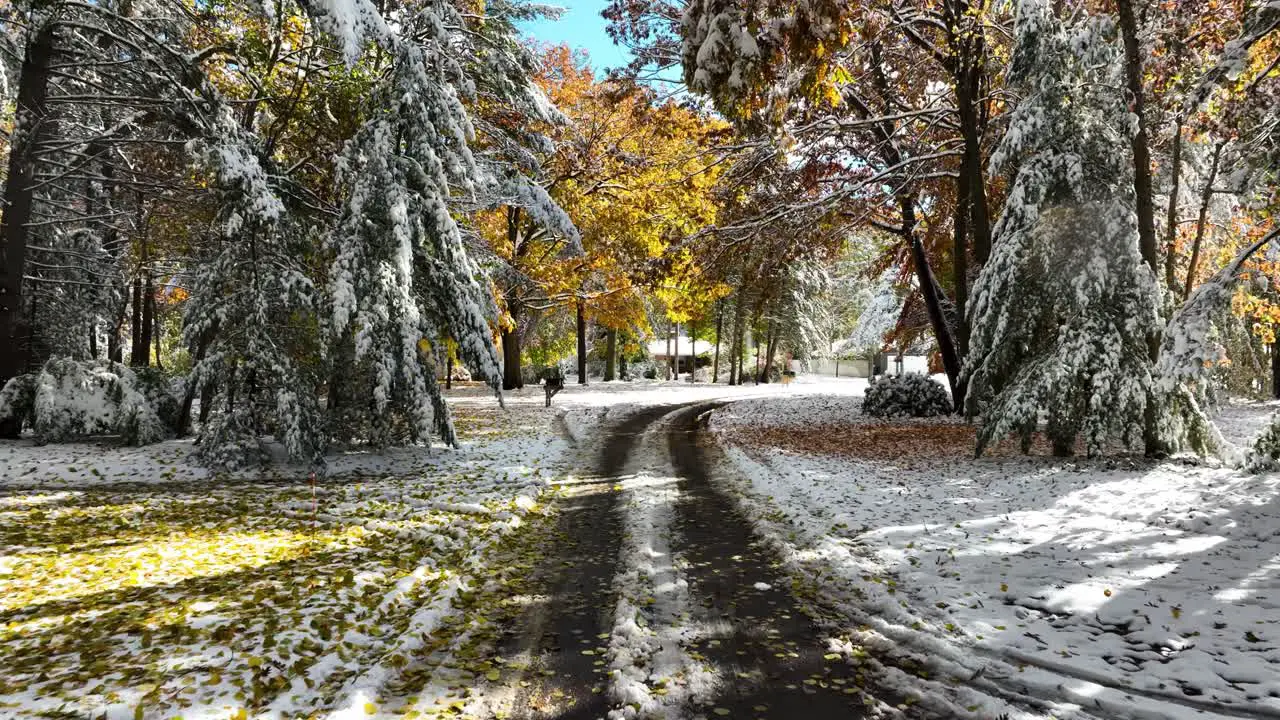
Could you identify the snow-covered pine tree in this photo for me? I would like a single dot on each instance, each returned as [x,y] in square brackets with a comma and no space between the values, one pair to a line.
[401,279]
[254,305]
[1062,312]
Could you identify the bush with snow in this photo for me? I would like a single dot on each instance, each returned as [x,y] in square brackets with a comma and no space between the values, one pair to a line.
[1265,454]
[18,402]
[72,399]
[909,395]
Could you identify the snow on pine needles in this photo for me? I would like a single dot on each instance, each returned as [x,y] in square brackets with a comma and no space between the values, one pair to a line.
[1118,588]
[145,593]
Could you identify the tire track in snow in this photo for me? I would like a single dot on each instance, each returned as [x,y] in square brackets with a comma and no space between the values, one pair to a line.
[768,651]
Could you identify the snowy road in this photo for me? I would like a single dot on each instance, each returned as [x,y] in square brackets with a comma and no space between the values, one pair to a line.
[655,599]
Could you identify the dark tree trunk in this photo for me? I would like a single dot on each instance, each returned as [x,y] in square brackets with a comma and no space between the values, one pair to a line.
[960,259]
[715,362]
[512,379]
[769,340]
[115,349]
[1171,218]
[93,340]
[156,333]
[675,355]
[1202,221]
[693,353]
[968,88]
[582,343]
[668,328]
[148,324]
[735,343]
[742,348]
[610,353]
[448,369]
[929,291]
[188,397]
[1275,366]
[31,127]
[137,351]
[1142,186]
[967,43]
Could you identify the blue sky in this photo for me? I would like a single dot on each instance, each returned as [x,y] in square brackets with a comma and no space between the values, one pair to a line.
[581,27]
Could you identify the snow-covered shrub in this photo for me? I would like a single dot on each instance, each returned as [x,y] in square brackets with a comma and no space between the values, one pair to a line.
[18,402]
[909,395]
[75,399]
[646,369]
[1265,454]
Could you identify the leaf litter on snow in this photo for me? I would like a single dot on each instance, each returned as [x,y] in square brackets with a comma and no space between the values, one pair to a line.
[1121,583]
[131,591]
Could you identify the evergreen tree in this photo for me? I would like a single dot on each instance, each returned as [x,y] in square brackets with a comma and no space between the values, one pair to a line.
[1062,312]
[401,278]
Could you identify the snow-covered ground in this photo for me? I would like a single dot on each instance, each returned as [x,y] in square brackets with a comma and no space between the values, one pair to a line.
[133,582]
[1111,589]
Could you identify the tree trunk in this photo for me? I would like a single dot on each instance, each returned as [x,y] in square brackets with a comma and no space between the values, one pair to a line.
[143,359]
[1144,203]
[137,351]
[693,353]
[668,334]
[610,353]
[93,340]
[960,256]
[1202,221]
[622,360]
[29,131]
[715,362]
[737,351]
[115,350]
[448,369]
[929,291]
[1171,218]
[189,395]
[770,339]
[1275,366]
[675,355]
[512,378]
[968,89]
[156,327]
[582,343]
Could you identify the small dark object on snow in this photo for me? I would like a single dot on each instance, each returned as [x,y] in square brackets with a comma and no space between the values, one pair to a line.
[553,384]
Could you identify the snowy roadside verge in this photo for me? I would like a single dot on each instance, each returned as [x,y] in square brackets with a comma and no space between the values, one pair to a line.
[1084,582]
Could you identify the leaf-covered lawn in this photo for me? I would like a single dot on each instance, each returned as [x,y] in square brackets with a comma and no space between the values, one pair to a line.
[207,599]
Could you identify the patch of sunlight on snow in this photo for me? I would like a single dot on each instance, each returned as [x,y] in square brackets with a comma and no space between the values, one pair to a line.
[1091,594]
[26,501]
[1249,585]
[172,558]
[1083,688]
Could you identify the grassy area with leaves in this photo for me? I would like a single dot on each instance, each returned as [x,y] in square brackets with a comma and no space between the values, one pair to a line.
[254,598]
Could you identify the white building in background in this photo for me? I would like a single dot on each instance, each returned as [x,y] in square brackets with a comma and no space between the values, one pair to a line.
[843,361]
